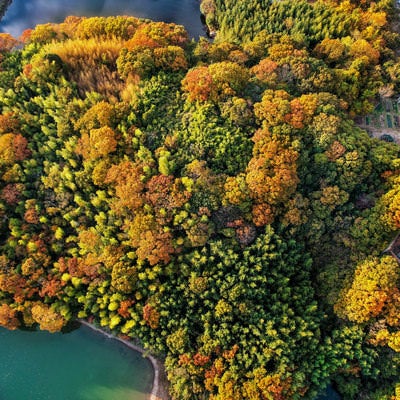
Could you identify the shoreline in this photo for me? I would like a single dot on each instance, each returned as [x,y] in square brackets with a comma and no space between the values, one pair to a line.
[158,390]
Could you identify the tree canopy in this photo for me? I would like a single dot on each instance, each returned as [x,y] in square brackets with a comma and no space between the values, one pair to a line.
[213,200]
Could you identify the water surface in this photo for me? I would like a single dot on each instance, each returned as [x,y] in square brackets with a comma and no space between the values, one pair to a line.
[81,365]
[23,14]
[329,394]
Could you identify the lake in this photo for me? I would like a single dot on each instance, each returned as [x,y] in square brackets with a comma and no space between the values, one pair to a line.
[23,14]
[80,365]
[329,394]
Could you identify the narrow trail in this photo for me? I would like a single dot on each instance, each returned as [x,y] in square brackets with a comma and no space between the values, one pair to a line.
[158,392]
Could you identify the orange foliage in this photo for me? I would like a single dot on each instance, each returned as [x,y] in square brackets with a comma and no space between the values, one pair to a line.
[265,70]
[302,110]
[89,241]
[13,148]
[158,34]
[372,291]
[200,359]
[272,172]
[51,287]
[31,216]
[123,309]
[166,192]
[152,241]
[7,42]
[8,317]
[11,193]
[229,354]
[26,35]
[8,123]
[28,267]
[215,82]
[335,151]
[151,316]
[129,187]
[262,214]
[184,359]
[20,147]
[238,56]
[274,385]
[15,284]
[198,84]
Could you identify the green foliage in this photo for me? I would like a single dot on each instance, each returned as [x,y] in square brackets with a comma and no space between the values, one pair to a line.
[214,200]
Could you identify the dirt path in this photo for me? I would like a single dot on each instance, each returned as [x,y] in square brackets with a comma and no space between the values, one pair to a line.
[159,390]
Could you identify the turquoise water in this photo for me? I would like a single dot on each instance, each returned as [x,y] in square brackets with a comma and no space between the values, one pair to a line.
[23,14]
[329,394]
[81,365]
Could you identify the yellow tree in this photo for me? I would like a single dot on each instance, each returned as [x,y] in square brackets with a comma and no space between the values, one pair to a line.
[371,291]
[98,143]
[47,318]
[391,205]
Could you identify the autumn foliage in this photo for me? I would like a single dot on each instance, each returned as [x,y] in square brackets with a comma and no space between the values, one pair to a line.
[215,201]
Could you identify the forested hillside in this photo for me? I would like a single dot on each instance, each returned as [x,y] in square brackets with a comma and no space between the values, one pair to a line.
[215,201]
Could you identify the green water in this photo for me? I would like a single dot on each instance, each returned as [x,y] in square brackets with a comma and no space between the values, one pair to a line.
[81,365]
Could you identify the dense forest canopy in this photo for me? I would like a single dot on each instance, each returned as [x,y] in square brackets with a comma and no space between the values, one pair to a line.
[214,200]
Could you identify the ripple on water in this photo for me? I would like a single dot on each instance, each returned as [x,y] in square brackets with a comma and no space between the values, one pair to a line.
[81,365]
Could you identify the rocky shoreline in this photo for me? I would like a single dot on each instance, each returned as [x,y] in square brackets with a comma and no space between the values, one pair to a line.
[159,389]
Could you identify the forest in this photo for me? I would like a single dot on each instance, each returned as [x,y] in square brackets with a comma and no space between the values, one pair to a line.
[213,200]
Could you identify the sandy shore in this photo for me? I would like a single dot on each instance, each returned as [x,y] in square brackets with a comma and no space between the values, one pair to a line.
[159,390]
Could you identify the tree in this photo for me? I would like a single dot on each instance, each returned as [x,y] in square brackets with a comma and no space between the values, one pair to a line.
[47,318]
[8,317]
[215,82]
[370,294]
[13,148]
[152,241]
[98,143]
[7,42]
[127,179]
[272,172]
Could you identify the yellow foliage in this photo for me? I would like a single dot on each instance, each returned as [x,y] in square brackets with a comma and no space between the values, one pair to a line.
[370,292]
[98,143]
[47,318]
[235,190]
[91,63]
